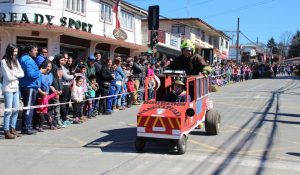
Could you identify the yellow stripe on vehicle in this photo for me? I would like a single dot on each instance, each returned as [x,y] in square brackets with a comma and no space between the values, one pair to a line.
[162,122]
[148,118]
[170,121]
[154,124]
[139,120]
[178,123]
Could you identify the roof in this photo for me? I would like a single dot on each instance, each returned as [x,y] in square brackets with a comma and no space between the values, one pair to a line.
[134,7]
[199,22]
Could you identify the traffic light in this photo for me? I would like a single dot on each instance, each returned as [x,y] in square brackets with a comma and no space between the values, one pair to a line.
[154,39]
[153,17]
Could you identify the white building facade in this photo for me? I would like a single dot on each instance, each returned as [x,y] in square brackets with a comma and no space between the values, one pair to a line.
[202,34]
[78,27]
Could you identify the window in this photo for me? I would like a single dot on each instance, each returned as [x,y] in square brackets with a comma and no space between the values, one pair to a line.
[199,88]
[192,90]
[226,44]
[205,86]
[210,40]
[178,29]
[77,6]
[203,36]
[106,13]
[126,20]
[38,1]
[198,33]
[222,42]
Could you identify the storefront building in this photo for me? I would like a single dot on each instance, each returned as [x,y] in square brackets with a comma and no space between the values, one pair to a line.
[207,39]
[79,27]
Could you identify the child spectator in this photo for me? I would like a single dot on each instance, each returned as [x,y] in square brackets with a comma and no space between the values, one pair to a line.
[43,97]
[91,94]
[151,84]
[124,91]
[112,91]
[77,96]
[85,86]
[130,90]
[57,88]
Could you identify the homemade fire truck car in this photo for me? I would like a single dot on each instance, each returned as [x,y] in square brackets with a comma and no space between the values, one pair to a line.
[158,119]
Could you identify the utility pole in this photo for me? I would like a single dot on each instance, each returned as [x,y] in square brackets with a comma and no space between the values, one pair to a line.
[237,41]
[232,36]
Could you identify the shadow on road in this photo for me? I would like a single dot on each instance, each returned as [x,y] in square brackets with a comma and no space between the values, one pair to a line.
[293,154]
[249,139]
[282,114]
[123,140]
[281,77]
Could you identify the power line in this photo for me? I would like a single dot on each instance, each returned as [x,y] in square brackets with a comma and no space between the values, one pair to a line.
[193,5]
[247,38]
[240,8]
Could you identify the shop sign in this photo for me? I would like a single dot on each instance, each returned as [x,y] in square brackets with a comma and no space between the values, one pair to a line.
[120,34]
[41,19]
[173,41]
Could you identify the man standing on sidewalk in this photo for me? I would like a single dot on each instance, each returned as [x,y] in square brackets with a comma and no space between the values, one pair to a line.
[29,85]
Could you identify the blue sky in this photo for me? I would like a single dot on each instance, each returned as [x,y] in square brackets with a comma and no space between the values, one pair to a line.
[258,18]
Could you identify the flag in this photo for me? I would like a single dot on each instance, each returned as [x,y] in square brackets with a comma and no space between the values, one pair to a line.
[116,11]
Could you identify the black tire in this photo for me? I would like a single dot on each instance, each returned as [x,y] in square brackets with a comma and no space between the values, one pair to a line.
[140,144]
[182,145]
[212,122]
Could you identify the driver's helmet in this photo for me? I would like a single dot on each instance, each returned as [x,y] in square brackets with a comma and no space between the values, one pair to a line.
[187,45]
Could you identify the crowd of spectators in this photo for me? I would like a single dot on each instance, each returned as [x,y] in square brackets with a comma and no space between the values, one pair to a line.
[93,85]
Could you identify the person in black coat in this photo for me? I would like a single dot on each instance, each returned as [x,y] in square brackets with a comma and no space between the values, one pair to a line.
[106,76]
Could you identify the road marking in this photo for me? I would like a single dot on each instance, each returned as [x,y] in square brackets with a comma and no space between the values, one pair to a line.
[104,144]
[79,141]
[205,145]
[239,106]
[262,134]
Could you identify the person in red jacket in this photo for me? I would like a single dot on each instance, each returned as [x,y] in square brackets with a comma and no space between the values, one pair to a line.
[130,90]
[43,114]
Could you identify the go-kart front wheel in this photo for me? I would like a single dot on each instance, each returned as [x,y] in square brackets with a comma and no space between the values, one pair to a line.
[212,122]
[182,145]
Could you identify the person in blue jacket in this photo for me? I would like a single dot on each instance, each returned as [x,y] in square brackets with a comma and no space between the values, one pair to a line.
[42,56]
[29,85]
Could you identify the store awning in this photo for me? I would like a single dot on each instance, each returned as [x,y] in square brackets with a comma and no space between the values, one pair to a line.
[76,33]
[168,51]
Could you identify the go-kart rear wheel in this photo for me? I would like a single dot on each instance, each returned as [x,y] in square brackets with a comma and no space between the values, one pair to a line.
[140,144]
[182,145]
[212,122]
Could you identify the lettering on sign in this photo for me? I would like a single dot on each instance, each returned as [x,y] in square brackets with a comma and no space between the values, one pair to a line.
[6,18]
[171,108]
[120,34]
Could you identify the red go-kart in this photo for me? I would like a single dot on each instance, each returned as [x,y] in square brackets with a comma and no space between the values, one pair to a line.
[175,120]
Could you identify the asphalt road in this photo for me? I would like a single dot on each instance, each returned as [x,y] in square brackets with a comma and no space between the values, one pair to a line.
[259,135]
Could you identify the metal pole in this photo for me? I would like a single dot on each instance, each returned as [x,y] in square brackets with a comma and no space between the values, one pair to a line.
[237,41]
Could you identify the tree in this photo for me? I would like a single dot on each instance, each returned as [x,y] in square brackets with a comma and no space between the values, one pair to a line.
[294,50]
[272,45]
[285,41]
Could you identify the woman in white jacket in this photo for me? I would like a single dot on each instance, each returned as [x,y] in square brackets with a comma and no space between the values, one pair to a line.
[11,71]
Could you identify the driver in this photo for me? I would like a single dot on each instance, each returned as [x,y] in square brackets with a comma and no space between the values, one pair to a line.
[191,63]
[178,94]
